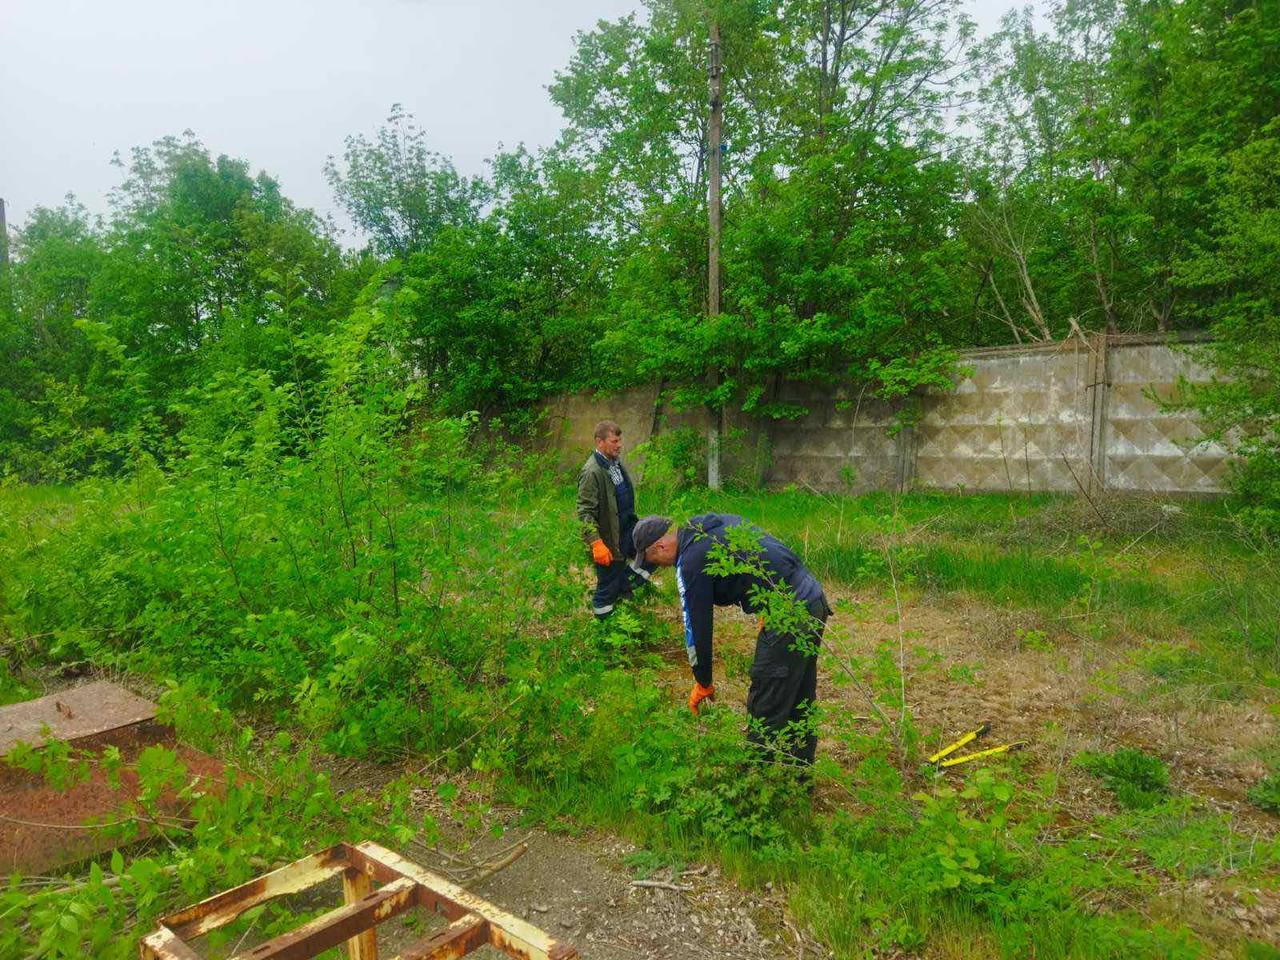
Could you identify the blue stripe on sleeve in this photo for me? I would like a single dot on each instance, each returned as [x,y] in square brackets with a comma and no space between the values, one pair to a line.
[690,649]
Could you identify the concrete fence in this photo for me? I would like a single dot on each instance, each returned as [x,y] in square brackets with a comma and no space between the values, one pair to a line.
[1061,417]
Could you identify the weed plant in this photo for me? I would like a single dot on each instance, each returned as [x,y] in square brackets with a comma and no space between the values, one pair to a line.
[1265,794]
[1136,778]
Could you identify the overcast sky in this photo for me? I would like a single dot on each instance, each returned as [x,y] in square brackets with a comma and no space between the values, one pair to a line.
[279,83]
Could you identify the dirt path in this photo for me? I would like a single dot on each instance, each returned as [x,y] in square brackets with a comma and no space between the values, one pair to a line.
[580,889]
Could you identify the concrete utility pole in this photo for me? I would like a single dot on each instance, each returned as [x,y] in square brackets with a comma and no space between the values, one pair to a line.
[716,416]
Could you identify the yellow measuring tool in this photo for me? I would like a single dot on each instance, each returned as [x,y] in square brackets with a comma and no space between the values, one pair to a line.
[944,758]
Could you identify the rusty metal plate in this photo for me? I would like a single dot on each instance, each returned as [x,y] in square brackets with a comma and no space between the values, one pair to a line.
[42,827]
[71,714]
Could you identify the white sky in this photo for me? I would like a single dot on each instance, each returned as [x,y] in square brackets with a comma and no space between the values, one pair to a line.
[279,83]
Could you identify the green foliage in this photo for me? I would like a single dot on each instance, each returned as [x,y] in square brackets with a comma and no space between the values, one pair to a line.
[966,859]
[495,305]
[202,272]
[1265,794]
[320,525]
[1093,185]
[1232,278]
[674,460]
[283,573]
[492,665]
[12,689]
[1125,180]
[1186,839]
[398,191]
[231,831]
[1136,778]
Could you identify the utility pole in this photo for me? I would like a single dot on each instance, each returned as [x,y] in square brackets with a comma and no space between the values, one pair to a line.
[715,415]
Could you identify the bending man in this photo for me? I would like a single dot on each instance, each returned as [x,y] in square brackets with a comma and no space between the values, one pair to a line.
[784,674]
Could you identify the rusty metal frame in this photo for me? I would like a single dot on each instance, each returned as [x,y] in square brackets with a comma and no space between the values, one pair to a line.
[474,922]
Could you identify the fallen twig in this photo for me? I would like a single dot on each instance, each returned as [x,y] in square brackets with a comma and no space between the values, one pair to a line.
[112,881]
[493,867]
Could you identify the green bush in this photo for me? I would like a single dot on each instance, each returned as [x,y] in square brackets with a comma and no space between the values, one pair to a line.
[1265,794]
[674,460]
[272,807]
[1183,837]
[1137,779]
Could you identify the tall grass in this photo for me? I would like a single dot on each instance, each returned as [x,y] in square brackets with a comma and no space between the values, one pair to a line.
[425,606]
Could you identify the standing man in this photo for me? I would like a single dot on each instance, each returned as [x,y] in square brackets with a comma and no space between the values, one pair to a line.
[784,674]
[607,512]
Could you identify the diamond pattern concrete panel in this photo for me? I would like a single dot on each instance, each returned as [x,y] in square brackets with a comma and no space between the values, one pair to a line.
[1054,417]
[1147,448]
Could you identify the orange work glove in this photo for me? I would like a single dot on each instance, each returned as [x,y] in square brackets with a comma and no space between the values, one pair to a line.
[600,552]
[699,694]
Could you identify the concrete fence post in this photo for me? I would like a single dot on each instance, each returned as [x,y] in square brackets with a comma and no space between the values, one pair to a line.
[1099,382]
[905,455]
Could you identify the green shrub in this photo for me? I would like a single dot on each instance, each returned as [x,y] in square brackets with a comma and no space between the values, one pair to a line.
[674,460]
[1184,838]
[1137,779]
[1257,950]
[272,806]
[1265,794]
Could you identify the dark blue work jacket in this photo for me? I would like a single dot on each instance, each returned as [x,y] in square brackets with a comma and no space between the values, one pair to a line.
[701,592]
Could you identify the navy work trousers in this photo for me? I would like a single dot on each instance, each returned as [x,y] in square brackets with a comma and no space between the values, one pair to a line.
[615,582]
[784,685]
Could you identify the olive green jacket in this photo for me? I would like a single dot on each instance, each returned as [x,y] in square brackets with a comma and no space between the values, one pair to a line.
[598,507]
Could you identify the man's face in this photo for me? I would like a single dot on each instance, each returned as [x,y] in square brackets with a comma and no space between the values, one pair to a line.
[610,446]
[663,552]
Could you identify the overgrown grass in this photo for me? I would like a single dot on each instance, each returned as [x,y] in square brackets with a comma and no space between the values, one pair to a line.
[435,607]
[1180,573]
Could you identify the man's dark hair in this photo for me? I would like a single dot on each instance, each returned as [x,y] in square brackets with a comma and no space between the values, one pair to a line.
[607,428]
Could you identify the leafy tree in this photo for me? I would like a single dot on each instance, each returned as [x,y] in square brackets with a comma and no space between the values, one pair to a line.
[201,269]
[1052,232]
[400,192]
[832,117]
[202,253]
[1123,173]
[49,371]
[1234,278]
[1095,144]
[498,312]
[1103,176]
